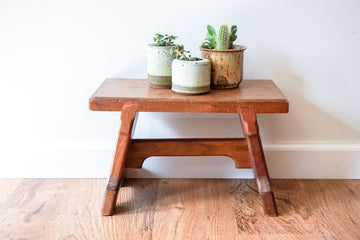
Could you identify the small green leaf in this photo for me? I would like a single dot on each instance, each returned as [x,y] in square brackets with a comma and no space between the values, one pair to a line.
[211,30]
[209,38]
[204,43]
[164,40]
[233,29]
[212,44]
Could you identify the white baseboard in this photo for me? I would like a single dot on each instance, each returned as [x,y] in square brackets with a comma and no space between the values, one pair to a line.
[93,159]
[307,146]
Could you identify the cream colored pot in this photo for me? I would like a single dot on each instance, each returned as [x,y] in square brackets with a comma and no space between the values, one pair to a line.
[159,62]
[191,77]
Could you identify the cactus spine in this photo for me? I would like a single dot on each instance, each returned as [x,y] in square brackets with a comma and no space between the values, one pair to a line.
[223,37]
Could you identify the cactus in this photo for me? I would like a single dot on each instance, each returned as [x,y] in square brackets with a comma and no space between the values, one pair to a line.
[223,37]
[221,41]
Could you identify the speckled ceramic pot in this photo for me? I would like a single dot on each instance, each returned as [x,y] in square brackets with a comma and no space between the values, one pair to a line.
[226,66]
[159,62]
[191,77]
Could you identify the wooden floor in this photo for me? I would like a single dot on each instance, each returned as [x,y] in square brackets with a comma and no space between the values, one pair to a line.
[178,209]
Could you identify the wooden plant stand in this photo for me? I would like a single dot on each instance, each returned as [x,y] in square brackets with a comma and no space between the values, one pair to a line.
[134,95]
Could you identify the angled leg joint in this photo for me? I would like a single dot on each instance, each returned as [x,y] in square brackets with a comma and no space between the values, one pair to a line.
[257,157]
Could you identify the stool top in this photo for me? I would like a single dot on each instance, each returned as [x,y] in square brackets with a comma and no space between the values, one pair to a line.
[113,93]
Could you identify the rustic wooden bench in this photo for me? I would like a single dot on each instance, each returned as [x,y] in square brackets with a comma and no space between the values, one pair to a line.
[134,95]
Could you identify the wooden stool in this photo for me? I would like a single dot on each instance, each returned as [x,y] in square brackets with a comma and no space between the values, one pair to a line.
[134,95]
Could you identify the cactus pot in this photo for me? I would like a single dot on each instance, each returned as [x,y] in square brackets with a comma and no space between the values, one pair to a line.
[159,62]
[226,66]
[191,77]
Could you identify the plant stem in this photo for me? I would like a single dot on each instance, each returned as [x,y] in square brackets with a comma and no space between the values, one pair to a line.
[182,54]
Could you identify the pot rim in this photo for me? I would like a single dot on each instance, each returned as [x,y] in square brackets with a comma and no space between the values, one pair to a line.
[237,48]
[152,45]
[202,60]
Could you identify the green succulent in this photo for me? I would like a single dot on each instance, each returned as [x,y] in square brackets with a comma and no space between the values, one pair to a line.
[164,40]
[233,36]
[223,40]
[182,54]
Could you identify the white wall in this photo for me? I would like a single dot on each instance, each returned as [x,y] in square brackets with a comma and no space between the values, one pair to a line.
[54,54]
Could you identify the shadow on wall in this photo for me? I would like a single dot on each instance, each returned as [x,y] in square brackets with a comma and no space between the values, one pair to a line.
[189,167]
[202,125]
[305,120]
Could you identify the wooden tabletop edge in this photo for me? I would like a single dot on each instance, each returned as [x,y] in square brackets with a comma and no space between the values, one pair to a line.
[181,100]
[92,104]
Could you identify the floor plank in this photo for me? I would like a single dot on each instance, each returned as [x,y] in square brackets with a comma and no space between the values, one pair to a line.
[178,209]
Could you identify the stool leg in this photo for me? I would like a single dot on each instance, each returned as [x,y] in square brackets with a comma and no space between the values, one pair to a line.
[128,113]
[252,136]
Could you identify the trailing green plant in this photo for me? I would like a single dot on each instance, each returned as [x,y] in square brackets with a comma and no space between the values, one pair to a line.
[164,40]
[222,40]
[182,54]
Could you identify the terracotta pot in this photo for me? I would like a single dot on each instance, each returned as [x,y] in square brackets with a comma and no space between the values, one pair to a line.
[226,66]
[191,77]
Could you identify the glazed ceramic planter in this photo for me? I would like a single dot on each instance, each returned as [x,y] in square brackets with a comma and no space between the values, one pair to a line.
[191,77]
[226,66]
[159,62]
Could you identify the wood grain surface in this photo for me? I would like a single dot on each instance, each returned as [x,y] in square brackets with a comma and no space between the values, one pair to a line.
[113,93]
[128,114]
[236,148]
[257,157]
[47,209]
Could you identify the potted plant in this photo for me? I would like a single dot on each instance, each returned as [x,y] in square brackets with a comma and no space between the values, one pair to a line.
[159,61]
[225,57]
[190,75]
